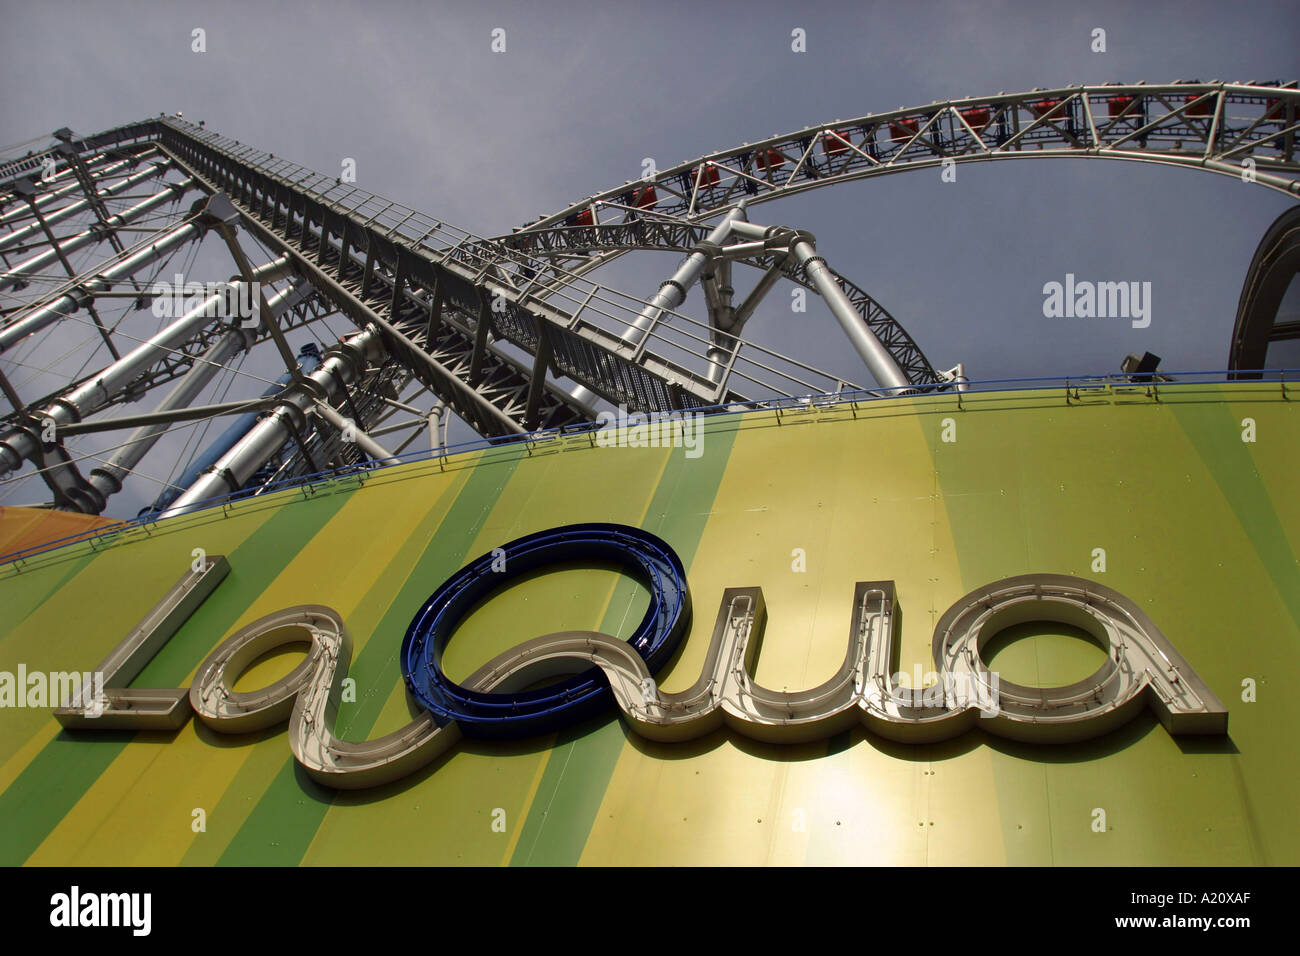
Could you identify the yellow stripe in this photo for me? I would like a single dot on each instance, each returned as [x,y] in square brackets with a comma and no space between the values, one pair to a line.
[444,815]
[517,830]
[845,492]
[15,765]
[93,610]
[165,778]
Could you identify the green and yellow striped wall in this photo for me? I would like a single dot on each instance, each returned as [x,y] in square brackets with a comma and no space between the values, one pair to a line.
[1199,526]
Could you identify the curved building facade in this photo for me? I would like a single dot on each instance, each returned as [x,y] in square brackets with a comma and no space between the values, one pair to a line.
[1178,496]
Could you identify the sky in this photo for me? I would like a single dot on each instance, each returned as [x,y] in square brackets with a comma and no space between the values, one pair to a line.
[586,90]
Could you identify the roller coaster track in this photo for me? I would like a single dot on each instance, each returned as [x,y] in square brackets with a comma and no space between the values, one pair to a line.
[491,326]
[1209,126]
[1247,131]
[610,240]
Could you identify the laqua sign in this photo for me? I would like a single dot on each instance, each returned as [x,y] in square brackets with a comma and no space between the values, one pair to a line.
[586,671]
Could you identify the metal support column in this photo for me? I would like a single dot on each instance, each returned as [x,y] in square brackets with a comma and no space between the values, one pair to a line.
[673,291]
[344,364]
[884,369]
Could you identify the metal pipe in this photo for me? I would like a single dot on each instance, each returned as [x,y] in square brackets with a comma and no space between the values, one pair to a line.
[879,361]
[22,211]
[752,230]
[717,356]
[672,292]
[18,445]
[108,478]
[41,260]
[343,364]
[958,373]
[75,298]
[309,359]
[273,271]
[722,283]
[743,250]
[438,416]
[724,346]
[756,295]
[26,232]
[347,426]
[582,395]
[884,369]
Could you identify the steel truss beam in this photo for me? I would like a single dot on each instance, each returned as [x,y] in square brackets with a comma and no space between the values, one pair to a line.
[1208,126]
[452,309]
[38,438]
[357,239]
[177,363]
[1217,127]
[683,237]
[375,275]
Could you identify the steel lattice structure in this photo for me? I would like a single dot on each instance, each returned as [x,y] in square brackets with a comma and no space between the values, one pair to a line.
[508,334]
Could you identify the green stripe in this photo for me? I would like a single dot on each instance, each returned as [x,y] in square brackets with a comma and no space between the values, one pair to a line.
[282,825]
[68,766]
[21,600]
[1037,490]
[582,764]
[1215,431]
[36,640]
[49,787]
